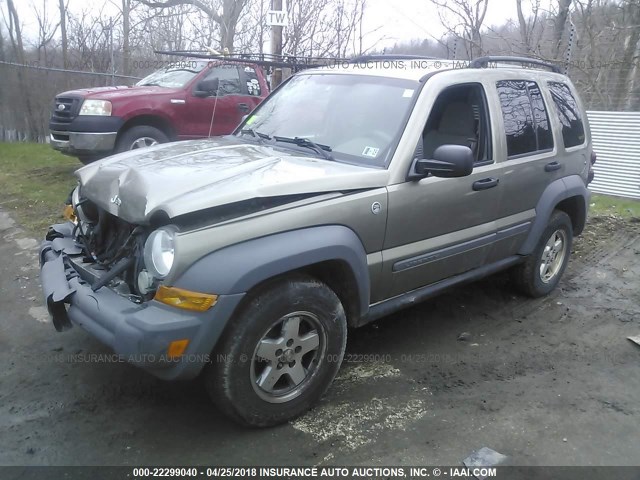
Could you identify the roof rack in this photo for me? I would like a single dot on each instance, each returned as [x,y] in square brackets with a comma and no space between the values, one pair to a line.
[262,59]
[392,56]
[482,62]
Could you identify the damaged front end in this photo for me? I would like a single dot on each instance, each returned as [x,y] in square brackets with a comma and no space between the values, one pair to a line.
[101,250]
[108,276]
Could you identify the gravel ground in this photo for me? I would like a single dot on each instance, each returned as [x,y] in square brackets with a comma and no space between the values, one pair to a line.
[552,381]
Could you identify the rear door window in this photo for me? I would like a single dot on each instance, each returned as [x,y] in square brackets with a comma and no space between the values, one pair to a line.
[526,122]
[568,114]
[229,79]
[250,81]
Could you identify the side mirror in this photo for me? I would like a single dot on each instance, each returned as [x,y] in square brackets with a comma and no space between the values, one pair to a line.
[207,87]
[448,161]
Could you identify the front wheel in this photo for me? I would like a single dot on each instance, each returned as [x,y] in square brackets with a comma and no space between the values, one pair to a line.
[140,136]
[542,270]
[280,354]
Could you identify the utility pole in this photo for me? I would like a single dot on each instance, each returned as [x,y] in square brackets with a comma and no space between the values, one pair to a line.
[113,65]
[276,46]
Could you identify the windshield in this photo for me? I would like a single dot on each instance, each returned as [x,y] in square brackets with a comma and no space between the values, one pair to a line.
[176,75]
[357,117]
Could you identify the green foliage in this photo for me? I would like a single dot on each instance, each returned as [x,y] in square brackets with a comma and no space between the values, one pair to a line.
[35,181]
[604,205]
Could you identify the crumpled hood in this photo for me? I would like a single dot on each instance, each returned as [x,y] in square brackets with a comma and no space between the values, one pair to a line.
[185,177]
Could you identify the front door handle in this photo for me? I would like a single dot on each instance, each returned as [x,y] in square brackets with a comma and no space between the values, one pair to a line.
[552,167]
[485,183]
[243,107]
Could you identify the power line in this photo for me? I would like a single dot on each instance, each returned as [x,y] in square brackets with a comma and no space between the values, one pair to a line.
[53,69]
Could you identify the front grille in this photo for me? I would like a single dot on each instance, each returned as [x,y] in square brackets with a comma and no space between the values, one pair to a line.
[65,109]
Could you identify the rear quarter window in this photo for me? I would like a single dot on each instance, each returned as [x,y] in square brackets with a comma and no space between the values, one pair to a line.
[526,122]
[568,113]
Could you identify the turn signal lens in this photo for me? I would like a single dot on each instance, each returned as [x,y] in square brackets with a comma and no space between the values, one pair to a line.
[185,299]
[177,348]
[69,214]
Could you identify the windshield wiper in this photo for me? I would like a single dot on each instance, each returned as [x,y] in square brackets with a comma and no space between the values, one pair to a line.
[258,135]
[320,149]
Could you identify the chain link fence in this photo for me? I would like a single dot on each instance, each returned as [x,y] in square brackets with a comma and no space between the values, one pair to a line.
[27,93]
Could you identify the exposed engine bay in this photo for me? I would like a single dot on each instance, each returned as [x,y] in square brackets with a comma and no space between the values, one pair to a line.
[112,249]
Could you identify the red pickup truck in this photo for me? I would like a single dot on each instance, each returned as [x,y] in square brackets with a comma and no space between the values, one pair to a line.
[190,98]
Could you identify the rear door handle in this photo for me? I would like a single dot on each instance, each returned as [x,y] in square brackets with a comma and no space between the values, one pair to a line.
[485,183]
[243,107]
[551,167]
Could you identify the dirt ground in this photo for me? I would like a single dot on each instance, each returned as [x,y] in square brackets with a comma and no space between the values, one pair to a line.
[552,381]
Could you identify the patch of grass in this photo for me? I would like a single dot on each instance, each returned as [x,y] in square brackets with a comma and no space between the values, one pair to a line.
[604,205]
[35,181]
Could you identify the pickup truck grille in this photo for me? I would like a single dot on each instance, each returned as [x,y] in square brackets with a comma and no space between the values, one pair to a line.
[65,109]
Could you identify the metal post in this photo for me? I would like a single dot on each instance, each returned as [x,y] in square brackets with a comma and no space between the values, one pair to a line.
[113,66]
[276,46]
[572,34]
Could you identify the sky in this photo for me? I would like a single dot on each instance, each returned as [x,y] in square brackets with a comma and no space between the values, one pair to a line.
[403,20]
[393,20]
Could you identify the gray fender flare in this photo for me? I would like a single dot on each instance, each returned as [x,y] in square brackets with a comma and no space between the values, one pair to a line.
[238,268]
[555,192]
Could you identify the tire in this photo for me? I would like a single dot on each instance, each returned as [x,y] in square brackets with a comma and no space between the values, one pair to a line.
[255,376]
[140,136]
[530,277]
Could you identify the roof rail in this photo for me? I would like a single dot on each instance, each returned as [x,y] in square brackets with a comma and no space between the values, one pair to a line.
[262,59]
[482,62]
[392,56]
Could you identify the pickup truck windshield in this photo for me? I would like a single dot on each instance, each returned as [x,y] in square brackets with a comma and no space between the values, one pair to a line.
[176,75]
[358,117]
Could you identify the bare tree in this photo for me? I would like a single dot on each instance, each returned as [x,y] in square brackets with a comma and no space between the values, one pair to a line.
[630,56]
[465,15]
[325,28]
[2,56]
[252,30]
[15,32]
[227,20]
[126,33]
[559,26]
[46,30]
[527,26]
[15,36]
[89,40]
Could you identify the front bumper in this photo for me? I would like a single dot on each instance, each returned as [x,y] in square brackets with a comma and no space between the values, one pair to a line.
[85,134]
[139,333]
[83,143]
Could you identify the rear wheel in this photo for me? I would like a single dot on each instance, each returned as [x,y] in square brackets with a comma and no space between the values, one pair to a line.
[280,354]
[140,136]
[543,269]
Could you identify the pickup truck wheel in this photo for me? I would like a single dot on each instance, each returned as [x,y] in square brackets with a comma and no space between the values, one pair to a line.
[543,269]
[280,354]
[140,136]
